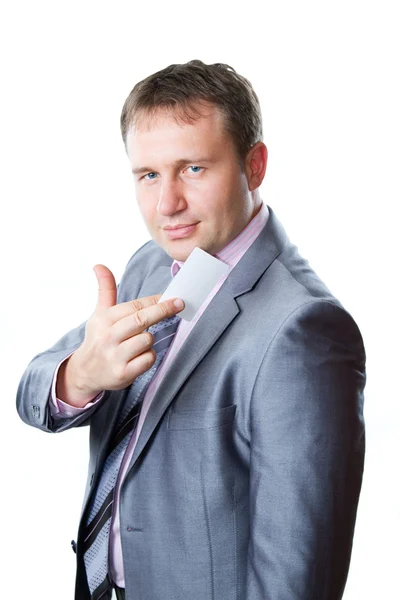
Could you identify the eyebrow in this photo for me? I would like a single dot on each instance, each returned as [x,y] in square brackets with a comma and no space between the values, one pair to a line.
[176,163]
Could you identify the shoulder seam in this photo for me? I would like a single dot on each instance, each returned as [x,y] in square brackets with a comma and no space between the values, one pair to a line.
[297,281]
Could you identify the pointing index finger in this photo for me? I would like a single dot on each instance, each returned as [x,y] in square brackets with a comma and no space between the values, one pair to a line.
[124,309]
[150,315]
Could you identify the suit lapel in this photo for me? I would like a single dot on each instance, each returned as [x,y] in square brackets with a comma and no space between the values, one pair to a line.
[216,318]
[157,282]
[203,336]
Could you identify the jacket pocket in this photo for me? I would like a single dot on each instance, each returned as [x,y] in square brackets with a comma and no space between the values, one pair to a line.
[201,419]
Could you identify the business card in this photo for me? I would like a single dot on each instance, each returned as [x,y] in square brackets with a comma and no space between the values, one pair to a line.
[194,281]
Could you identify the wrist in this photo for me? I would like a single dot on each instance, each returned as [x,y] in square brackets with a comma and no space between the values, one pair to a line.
[71,387]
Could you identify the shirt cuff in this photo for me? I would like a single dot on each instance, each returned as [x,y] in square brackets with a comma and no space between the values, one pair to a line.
[62,409]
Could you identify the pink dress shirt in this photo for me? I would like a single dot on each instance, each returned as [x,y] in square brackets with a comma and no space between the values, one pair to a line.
[230,255]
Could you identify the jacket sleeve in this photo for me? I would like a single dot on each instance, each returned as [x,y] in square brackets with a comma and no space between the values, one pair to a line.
[35,387]
[307,456]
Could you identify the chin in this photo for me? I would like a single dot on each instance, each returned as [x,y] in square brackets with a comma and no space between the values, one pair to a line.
[179,254]
[181,251]
[175,251]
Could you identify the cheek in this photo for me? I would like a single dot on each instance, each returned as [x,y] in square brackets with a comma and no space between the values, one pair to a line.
[146,206]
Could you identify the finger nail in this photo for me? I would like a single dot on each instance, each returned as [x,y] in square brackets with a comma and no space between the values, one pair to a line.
[178,303]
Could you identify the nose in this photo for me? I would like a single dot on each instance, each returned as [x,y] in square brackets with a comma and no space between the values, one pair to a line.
[171,199]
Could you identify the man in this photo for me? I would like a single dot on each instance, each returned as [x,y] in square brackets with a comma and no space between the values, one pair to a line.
[226,452]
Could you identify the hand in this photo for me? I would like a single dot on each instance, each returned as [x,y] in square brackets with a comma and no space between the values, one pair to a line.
[116,348]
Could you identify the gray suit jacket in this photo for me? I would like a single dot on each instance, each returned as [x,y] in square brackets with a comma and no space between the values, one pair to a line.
[245,480]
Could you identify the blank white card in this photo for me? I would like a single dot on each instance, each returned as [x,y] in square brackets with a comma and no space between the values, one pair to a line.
[194,281]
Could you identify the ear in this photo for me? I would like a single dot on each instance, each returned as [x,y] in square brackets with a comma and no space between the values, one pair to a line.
[256,165]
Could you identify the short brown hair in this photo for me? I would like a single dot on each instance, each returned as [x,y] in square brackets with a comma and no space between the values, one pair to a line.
[179,86]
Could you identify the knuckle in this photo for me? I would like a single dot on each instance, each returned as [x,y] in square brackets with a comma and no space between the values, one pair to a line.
[140,319]
[145,359]
[107,336]
[136,305]
[164,308]
[150,358]
[149,338]
[118,374]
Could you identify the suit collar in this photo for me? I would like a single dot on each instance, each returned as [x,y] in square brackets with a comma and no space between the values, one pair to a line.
[264,250]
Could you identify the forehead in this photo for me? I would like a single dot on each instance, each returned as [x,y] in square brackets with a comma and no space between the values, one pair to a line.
[169,131]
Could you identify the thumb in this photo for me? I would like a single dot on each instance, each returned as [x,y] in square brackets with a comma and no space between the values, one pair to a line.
[107,287]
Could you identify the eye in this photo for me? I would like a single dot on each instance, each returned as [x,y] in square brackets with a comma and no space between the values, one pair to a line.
[151,178]
[195,167]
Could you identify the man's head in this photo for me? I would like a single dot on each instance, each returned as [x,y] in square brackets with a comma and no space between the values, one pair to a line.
[193,134]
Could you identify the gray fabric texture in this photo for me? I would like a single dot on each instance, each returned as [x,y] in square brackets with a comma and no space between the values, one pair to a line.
[245,479]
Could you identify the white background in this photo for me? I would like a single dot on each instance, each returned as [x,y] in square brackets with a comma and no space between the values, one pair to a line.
[327,76]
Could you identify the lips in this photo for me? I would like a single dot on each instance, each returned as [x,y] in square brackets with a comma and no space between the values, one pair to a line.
[180,231]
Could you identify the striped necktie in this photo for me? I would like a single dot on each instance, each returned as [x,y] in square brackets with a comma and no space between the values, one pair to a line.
[97,531]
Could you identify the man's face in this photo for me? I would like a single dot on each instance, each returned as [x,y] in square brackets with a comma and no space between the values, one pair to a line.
[189,185]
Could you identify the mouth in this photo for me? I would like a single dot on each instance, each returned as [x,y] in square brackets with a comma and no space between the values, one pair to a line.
[180,231]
